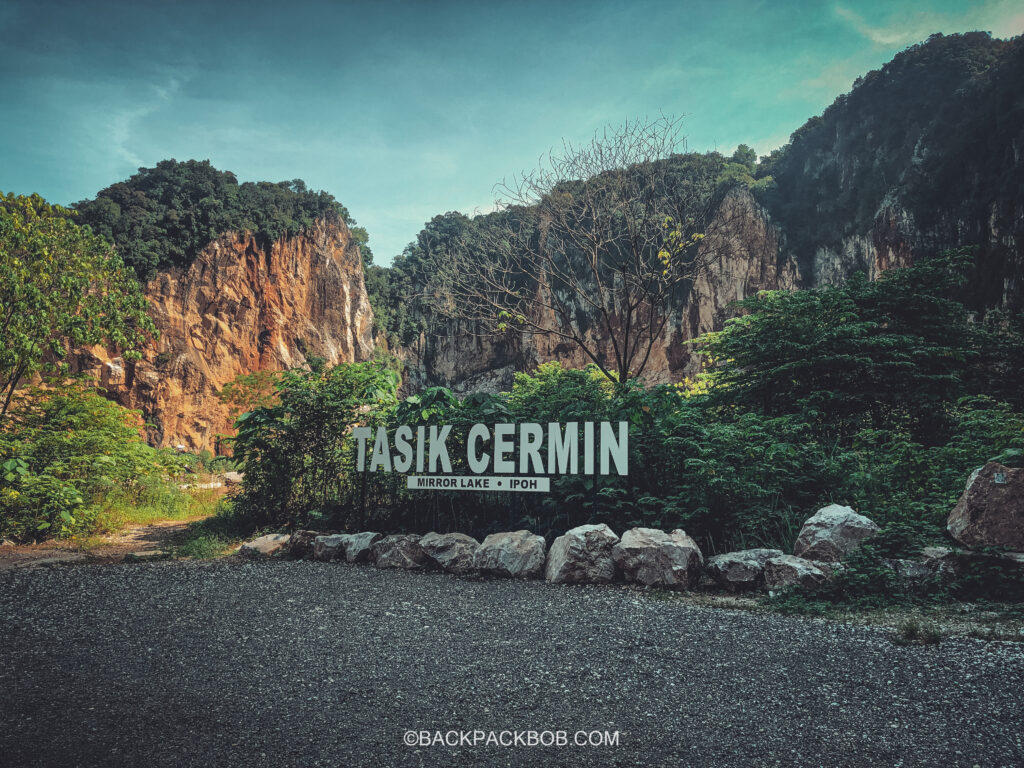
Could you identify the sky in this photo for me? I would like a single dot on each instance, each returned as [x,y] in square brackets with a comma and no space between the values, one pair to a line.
[404,110]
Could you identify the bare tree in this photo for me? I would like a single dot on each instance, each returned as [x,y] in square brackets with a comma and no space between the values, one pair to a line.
[595,246]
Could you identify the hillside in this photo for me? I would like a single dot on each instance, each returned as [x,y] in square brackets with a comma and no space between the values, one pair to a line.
[921,155]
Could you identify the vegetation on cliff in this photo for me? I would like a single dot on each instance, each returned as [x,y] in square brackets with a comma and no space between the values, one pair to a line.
[432,283]
[933,136]
[163,216]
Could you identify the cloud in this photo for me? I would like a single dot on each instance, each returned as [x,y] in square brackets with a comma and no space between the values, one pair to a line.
[878,35]
[1003,18]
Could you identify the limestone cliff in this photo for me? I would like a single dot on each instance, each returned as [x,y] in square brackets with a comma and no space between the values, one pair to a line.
[243,305]
[462,357]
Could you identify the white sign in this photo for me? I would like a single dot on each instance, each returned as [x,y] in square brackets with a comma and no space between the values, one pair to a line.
[477,483]
[502,457]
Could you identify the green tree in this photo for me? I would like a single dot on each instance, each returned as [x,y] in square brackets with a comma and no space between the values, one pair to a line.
[865,354]
[60,286]
[297,452]
[163,216]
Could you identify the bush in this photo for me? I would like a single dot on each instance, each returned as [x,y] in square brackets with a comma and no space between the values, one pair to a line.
[74,461]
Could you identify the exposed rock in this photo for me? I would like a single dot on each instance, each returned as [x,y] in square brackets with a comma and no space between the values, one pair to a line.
[7,543]
[243,305]
[658,559]
[515,554]
[832,533]
[327,548]
[788,570]
[399,551]
[233,478]
[300,545]
[740,571]
[453,552]
[265,546]
[747,260]
[829,569]
[582,555]
[990,512]
[358,547]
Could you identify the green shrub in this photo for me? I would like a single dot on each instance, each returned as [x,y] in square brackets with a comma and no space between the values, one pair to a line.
[71,459]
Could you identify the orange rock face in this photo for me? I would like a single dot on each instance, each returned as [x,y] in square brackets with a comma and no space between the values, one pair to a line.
[242,306]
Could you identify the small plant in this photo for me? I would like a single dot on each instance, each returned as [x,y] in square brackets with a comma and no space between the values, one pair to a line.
[914,632]
[216,535]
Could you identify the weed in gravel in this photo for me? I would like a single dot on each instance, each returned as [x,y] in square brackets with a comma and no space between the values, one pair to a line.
[913,632]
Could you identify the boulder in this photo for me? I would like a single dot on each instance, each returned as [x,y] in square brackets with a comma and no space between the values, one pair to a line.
[787,570]
[265,546]
[232,478]
[990,512]
[832,533]
[327,548]
[582,555]
[452,552]
[513,554]
[657,559]
[399,551]
[740,571]
[300,545]
[358,547]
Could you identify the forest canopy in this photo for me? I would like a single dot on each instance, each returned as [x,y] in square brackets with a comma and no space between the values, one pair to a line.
[162,217]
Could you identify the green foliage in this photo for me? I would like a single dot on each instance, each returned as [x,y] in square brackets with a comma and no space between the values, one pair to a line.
[72,460]
[297,453]
[60,287]
[163,216]
[216,534]
[864,354]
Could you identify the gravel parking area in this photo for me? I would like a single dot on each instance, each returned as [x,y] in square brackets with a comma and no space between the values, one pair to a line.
[309,664]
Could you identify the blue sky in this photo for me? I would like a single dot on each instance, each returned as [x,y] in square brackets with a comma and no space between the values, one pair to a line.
[403,110]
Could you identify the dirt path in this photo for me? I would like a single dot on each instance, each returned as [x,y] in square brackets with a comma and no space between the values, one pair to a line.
[149,541]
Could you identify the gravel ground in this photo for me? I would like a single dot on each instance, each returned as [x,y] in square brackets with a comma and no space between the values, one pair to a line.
[308,664]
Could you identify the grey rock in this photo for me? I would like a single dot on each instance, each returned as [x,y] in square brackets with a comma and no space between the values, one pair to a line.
[399,551]
[512,554]
[990,513]
[787,571]
[328,548]
[654,558]
[452,552]
[358,547]
[300,546]
[233,478]
[832,533]
[582,555]
[265,546]
[740,571]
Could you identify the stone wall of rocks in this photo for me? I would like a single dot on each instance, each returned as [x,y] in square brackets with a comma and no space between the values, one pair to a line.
[990,513]
[588,554]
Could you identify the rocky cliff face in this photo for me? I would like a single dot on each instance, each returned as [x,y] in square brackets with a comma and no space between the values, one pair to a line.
[922,155]
[461,357]
[242,306]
